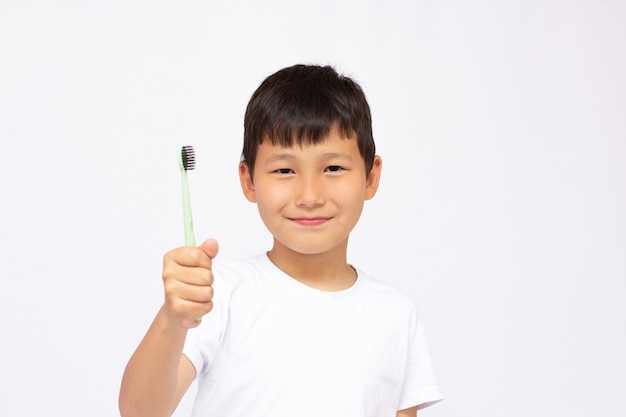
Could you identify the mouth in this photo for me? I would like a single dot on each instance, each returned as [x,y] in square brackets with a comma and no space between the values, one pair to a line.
[309,221]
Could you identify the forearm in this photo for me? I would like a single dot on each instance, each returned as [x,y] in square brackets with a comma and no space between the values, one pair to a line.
[407,412]
[149,385]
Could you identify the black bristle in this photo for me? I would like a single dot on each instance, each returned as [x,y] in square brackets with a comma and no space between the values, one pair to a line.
[189,158]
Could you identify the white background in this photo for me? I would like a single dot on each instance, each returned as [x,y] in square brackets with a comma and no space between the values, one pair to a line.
[502,127]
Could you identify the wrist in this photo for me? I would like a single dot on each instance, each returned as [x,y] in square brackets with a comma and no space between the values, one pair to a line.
[170,324]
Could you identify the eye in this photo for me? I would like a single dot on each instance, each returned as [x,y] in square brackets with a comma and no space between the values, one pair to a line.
[334,168]
[283,171]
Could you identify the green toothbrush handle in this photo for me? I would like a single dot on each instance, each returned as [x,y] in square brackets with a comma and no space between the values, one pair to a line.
[190,239]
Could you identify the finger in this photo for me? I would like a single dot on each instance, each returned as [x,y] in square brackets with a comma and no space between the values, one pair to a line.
[187,256]
[189,311]
[175,275]
[190,293]
[193,276]
[210,247]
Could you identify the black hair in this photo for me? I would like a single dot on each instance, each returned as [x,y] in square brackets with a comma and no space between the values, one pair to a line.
[300,105]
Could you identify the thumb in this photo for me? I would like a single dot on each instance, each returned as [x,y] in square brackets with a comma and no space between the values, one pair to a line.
[210,247]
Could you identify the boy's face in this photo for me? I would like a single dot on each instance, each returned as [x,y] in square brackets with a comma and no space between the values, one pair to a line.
[311,197]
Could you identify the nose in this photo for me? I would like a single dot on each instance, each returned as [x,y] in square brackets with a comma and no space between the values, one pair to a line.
[310,192]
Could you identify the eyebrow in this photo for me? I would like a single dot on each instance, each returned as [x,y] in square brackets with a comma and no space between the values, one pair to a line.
[326,156]
[337,155]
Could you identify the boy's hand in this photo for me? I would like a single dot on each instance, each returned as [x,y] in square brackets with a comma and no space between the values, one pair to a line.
[187,278]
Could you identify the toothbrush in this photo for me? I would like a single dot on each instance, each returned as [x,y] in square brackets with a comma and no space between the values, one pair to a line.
[187,162]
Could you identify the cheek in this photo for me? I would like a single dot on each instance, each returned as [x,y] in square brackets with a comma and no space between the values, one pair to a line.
[351,200]
[350,193]
[270,200]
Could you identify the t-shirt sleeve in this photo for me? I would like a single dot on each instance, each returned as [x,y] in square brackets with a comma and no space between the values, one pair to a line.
[420,384]
[202,342]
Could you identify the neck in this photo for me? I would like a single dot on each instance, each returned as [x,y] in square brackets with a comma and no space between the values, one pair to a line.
[327,271]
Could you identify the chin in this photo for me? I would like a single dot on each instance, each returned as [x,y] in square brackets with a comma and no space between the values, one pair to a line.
[311,249]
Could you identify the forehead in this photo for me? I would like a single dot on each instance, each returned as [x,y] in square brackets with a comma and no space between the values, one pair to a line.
[333,145]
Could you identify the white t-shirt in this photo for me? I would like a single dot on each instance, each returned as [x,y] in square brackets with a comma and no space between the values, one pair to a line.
[274,347]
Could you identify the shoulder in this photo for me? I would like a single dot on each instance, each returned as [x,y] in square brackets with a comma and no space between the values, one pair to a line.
[230,274]
[384,293]
[382,288]
[234,267]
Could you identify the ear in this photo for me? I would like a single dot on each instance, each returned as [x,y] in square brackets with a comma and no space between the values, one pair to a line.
[373,178]
[245,178]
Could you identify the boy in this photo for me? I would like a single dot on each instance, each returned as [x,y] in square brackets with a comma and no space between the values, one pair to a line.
[296,331]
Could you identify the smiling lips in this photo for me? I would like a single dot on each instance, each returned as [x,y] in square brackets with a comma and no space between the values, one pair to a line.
[309,221]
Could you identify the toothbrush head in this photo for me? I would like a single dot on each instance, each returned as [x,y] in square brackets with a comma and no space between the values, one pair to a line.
[187,158]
